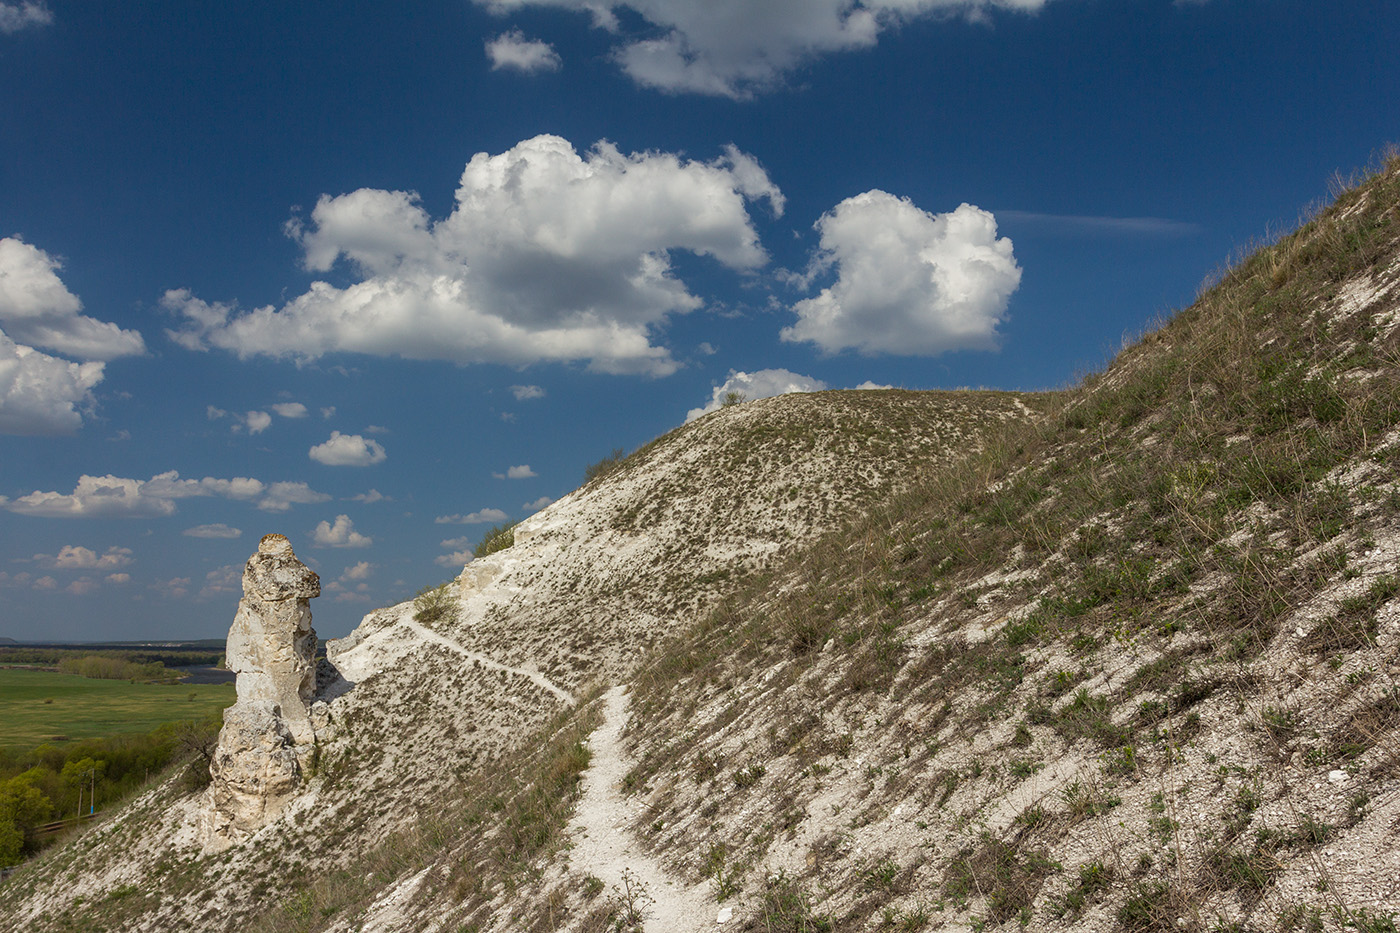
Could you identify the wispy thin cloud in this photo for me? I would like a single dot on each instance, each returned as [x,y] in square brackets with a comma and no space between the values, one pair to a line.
[1095,225]
[17,16]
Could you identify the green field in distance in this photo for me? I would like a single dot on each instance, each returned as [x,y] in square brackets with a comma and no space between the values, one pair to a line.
[42,706]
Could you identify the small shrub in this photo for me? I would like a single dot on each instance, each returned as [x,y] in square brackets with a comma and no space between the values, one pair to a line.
[1089,716]
[1085,802]
[632,903]
[748,777]
[1093,877]
[497,538]
[1249,873]
[1150,908]
[434,602]
[1000,873]
[880,876]
[786,907]
[609,464]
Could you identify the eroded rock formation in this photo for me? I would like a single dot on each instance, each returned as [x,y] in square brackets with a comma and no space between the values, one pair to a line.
[254,769]
[272,646]
[268,734]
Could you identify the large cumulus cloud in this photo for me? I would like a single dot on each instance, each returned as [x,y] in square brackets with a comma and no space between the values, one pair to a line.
[41,394]
[549,255]
[37,309]
[908,282]
[734,48]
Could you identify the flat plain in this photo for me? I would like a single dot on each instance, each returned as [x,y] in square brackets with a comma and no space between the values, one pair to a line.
[38,706]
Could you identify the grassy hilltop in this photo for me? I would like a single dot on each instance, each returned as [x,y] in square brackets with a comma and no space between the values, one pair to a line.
[1118,658]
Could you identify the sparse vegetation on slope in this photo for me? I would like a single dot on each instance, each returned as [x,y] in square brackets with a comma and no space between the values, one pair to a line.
[1120,638]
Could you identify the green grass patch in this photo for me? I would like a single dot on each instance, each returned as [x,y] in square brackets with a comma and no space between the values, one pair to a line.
[42,706]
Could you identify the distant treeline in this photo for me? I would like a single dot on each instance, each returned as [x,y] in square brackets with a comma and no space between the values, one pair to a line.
[101,667]
[49,783]
[170,657]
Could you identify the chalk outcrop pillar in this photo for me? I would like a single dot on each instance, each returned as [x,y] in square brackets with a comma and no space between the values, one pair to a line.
[267,734]
[272,646]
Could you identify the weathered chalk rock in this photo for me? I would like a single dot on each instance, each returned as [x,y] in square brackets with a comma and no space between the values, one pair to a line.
[253,771]
[269,732]
[272,646]
[479,574]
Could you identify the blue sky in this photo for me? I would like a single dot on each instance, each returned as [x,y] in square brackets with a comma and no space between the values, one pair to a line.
[379,276]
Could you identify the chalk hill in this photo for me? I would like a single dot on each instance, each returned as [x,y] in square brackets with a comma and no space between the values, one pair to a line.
[1123,657]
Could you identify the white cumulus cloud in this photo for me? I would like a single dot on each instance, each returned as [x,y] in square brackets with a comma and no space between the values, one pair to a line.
[908,282]
[82,586]
[538,504]
[41,394]
[735,48]
[511,50]
[174,588]
[348,450]
[217,530]
[350,586]
[357,572]
[279,497]
[521,471]
[17,16]
[522,393]
[77,557]
[38,310]
[472,518]
[257,421]
[374,495]
[549,255]
[455,559]
[341,534]
[119,497]
[763,383]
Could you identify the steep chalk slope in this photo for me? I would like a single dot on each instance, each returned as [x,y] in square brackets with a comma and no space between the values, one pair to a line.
[427,710]
[1136,669]
[1132,667]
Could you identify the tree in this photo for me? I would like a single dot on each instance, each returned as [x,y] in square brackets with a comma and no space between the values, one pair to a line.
[23,808]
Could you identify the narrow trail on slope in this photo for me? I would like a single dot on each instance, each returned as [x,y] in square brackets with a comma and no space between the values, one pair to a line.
[604,848]
[534,677]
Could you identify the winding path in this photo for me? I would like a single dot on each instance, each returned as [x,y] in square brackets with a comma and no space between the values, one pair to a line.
[603,845]
[534,677]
